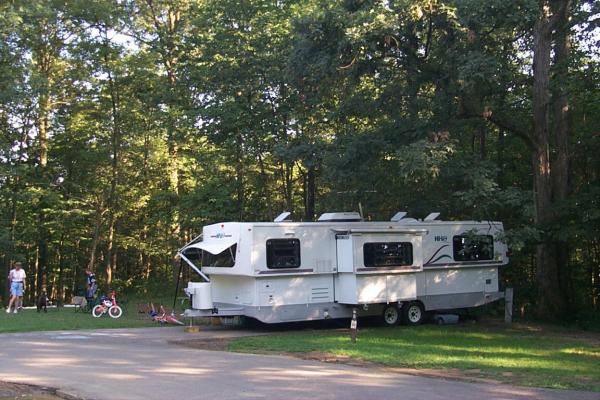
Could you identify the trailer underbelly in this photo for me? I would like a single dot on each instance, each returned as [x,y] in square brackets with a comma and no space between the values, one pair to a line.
[333,310]
[278,314]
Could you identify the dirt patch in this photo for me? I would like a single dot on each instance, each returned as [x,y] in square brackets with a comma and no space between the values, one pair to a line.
[452,374]
[217,344]
[544,330]
[14,391]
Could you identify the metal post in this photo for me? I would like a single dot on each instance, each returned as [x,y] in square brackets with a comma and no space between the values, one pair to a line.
[177,284]
[353,326]
[191,328]
[508,305]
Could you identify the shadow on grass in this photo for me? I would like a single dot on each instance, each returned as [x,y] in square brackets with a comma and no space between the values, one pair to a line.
[519,356]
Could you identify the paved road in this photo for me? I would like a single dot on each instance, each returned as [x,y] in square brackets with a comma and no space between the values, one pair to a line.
[140,364]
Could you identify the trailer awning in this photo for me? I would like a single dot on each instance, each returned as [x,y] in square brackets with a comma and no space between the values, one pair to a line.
[213,247]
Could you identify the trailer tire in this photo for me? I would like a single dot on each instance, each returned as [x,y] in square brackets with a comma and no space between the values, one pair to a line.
[414,313]
[390,315]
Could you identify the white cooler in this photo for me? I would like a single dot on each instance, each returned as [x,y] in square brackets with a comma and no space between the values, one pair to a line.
[201,295]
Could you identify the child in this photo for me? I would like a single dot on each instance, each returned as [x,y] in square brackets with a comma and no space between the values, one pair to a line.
[92,285]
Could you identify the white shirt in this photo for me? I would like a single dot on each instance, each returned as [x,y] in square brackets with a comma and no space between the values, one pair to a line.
[17,276]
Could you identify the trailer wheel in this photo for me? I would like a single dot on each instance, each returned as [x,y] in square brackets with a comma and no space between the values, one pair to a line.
[391,315]
[414,313]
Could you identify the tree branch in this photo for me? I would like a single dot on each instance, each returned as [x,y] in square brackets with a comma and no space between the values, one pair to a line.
[501,119]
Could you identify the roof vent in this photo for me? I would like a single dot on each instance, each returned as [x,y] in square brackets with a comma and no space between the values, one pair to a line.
[340,217]
[284,216]
[432,216]
[398,216]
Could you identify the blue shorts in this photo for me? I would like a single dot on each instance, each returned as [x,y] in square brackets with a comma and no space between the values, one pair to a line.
[16,288]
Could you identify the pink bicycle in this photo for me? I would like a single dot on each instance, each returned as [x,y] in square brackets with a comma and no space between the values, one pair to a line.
[108,305]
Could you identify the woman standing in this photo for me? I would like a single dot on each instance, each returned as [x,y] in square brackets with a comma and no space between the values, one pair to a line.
[16,277]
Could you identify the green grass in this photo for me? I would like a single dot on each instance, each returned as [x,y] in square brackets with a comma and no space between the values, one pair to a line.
[67,319]
[522,355]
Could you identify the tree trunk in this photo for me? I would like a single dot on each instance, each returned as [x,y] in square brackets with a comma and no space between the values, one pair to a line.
[482,147]
[33,281]
[111,258]
[42,259]
[286,180]
[75,271]
[264,187]
[173,174]
[45,55]
[287,169]
[110,249]
[596,278]
[166,31]
[60,292]
[412,63]
[95,238]
[500,159]
[42,129]
[560,163]
[239,177]
[309,194]
[561,133]
[551,303]
[13,230]
[145,258]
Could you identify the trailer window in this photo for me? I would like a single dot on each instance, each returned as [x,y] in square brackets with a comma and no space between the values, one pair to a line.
[283,253]
[473,247]
[225,259]
[388,254]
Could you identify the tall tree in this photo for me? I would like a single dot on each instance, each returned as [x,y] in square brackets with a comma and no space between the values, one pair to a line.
[552,302]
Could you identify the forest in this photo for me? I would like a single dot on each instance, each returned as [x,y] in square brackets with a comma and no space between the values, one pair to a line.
[127,125]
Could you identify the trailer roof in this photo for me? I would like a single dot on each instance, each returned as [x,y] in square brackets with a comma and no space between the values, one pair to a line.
[374,224]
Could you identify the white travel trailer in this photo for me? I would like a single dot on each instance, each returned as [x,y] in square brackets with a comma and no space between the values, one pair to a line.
[296,271]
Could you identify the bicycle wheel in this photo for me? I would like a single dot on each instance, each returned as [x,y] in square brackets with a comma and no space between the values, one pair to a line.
[98,310]
[115,311]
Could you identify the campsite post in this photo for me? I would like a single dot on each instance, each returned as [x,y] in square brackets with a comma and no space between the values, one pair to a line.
[508,305]
[353,326]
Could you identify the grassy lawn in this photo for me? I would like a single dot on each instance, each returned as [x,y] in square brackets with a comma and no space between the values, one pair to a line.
[527,355]
[67,319]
